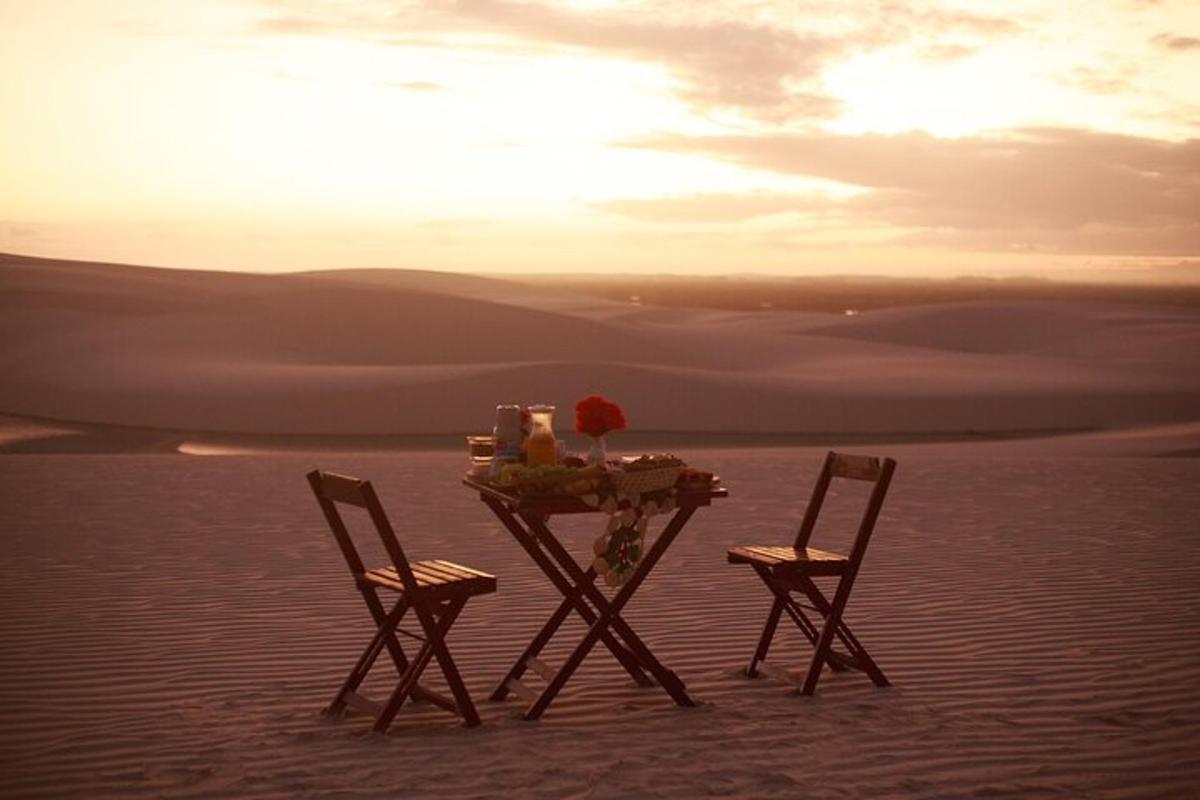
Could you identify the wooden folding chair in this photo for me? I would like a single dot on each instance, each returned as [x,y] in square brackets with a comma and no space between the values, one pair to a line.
[435,591]
[791,569]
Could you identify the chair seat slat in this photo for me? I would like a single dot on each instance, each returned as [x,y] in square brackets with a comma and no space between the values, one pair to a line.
[786,557]
[434,581]
[428,577]
[439,574]
[459,568]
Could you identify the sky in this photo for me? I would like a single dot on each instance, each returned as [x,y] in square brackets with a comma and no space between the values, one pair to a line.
[1052,139]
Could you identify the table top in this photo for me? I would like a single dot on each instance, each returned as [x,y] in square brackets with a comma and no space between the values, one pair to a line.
[571,504]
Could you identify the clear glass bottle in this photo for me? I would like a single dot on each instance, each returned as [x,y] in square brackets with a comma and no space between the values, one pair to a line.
[541,446]
[508,438]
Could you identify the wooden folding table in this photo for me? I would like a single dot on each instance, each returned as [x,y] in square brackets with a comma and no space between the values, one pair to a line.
[527,519]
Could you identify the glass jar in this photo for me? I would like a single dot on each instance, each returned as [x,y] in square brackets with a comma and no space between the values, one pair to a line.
[541,446]
[508,437]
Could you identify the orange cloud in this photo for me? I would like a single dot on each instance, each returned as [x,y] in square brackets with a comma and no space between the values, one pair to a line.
[710,208]
[1056,188]
[1169,41]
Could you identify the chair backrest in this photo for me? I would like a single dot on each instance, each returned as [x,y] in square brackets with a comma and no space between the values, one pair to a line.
[331,489]
[853,467]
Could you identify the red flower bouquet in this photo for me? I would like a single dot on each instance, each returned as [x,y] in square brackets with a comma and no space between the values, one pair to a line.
[596,416]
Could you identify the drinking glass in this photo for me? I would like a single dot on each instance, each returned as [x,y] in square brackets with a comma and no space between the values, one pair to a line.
[482,448]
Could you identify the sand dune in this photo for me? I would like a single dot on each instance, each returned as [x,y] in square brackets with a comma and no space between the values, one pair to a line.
[172,626]
[175,628]
[412,352]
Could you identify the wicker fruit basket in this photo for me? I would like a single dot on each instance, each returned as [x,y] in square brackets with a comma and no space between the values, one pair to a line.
[646,480]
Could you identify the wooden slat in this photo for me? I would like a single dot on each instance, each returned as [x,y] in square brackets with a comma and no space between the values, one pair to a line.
[342,489]
[783,561]
[845,661]
[451,575]
[772,555]
[477,581]
[421,692]
[859,468]
[776,552]
[435,580]
[404,632]
[526,693]
[541,668]
[429,576]
[812,554]
[449,570]
[743,554]
[451,580]
[465,570]
[383,578]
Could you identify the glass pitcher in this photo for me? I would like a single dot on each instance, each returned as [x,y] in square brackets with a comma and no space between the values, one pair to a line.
[541,446]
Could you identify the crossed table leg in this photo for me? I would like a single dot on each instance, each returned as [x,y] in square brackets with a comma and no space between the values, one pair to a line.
[605,622]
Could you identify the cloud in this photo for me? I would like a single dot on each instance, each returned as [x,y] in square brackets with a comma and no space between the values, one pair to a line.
[717,208]
[722,63]
[1104,81]
[1056,188]
[943,36]
[1168,41]
[760,61]
[755,68]
[19,231]
[412,86]
[946,53]
[939,20]
[1176,240]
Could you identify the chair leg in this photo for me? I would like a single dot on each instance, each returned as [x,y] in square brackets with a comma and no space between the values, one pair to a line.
[403,688]
[833,621]
[784,602]
[385,625]
[466,707]
[436,622]
[764,641]
[809,630]
[375,606]
[858,654]
[870,667]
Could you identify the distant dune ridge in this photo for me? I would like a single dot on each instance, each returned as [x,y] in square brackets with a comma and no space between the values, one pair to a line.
[363,352]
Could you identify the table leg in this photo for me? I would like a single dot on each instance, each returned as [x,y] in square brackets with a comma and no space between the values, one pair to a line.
[609,615]
[572,599]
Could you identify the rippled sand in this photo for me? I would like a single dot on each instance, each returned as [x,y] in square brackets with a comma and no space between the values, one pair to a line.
[173,626]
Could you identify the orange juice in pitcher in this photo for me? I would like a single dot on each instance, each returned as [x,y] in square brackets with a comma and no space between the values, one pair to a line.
[541,446]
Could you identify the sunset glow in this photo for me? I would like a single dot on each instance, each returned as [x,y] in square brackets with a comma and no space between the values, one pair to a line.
[493,136]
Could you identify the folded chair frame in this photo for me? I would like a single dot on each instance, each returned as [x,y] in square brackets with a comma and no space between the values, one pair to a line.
[434,591]
[790,571]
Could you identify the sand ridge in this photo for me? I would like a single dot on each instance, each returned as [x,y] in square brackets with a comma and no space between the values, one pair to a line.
[414,352]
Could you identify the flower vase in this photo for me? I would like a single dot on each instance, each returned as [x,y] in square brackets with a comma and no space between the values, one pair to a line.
[598,454]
